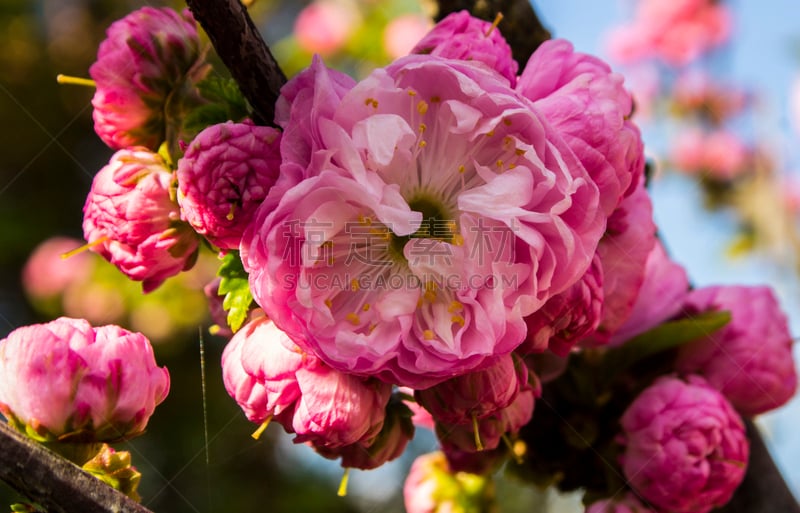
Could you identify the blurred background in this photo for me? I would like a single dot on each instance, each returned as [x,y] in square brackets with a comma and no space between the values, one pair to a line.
[721,123]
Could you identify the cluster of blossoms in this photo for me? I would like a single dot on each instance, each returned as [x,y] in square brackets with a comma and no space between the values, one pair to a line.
[442,238]
[675,32]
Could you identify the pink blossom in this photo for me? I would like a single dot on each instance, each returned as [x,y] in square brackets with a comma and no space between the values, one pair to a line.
[323,26]
[226,172]
[749,360]
[461,36]
[629,239]
[403,33]
[433,487]
[249,394]
[131,221]
[476,394]
[685,447]
[46,274]
[676,32]
[567,317]
[375,450]
[145,73]
[697,93]
[491,429]
[337,409]
[661,296]
[726,155]
[688,150]
[589,106]
[416,277]
[627,503]
[67,380]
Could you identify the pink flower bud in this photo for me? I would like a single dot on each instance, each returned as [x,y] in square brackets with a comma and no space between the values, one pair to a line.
[476,394]
[749,360]
[337,409]
[461,36]
[685,446]
[323,26]
[388,445]
[131,221]
[69,381]
[145,73]
[227,171]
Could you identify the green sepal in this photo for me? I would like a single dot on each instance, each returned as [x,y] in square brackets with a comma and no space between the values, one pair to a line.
[665,336]
[236,289]
[225,103]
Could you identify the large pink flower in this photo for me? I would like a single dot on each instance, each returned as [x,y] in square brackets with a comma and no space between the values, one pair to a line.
[588,105]
[70,381]
[146,71]
[130,219]
[438,209]
[685,447]
[749,360]
[227,171]
[462,36]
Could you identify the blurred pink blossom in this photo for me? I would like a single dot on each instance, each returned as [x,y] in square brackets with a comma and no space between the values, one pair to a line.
[685,447]
[69,381]
[719,155]
[403,33]
[324,26]
[627,503]
[749,360]
[47,274]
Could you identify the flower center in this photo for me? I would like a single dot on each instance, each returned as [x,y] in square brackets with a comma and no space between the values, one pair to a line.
[437,223]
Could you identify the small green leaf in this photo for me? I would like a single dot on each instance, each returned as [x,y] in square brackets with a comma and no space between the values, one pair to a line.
[225,103]
[236,289]
[664,337]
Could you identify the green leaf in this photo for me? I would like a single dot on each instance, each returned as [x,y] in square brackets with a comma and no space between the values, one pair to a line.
[225,103]
[236,289]
[666,336]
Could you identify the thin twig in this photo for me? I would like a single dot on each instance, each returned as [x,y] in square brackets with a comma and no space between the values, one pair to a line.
[53,482]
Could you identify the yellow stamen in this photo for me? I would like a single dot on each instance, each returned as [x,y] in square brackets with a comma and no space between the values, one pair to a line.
[366,307]
[458,320]
[371,101]
[428,335]
[353,318]
[495,23]
[422,107]
[476,431]
[354,285]
[328,303]
[343,483]
[66,79]
[490,133]
[519,152]
[229,217]
[457,240]
[423,127]
[506,122]
[500,163]
[258,432]
[455,306]
[422,144]
[435,99]
[88,245]
[462,169]
[412,92]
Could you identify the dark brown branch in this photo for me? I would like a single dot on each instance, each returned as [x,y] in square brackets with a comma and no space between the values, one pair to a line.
[520,26]
[763,489]
[241,48]
[53,482]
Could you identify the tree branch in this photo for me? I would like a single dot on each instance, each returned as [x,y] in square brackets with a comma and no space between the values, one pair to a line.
[763,489]
[521,26]
[53,482]
[241,48]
